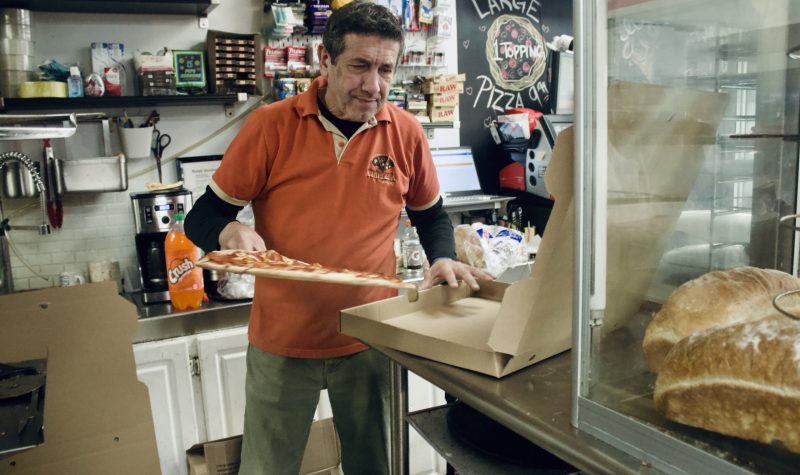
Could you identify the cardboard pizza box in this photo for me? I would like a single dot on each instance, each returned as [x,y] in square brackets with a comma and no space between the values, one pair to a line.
[501,328]
[97,416]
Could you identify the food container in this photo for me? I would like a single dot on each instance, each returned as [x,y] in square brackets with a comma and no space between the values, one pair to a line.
[95,174]
[15,31]
[18,62]
[15,46]
[10,16]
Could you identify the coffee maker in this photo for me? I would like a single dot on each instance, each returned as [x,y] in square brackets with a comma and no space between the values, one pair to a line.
[153,214]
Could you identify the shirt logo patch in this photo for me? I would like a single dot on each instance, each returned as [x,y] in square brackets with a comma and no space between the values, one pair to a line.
[381,168]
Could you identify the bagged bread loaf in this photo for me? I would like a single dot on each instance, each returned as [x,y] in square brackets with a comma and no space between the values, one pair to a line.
[718,298]
[741,380]
[491,248]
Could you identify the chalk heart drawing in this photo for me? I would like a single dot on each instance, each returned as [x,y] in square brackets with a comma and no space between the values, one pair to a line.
[482,28]
[468,91]
[466,44]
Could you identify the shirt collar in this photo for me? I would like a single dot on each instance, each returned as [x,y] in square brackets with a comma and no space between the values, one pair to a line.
[307,103]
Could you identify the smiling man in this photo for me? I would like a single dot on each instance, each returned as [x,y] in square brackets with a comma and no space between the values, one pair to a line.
[328,173]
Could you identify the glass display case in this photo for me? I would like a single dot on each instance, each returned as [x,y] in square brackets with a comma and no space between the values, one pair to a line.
[687,126]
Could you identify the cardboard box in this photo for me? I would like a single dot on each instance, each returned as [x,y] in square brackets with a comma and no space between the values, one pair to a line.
[433,87]
[442,114]
[444,84]
[222,457]
[449,99]
[501,328]
[97,416]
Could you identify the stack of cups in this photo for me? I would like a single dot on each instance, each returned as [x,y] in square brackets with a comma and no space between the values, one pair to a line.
[16,50]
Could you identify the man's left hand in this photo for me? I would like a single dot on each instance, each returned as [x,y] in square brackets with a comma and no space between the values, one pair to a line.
[451,271]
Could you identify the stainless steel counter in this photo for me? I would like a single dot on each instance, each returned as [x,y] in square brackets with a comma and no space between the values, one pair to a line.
[534,402]
[160,321]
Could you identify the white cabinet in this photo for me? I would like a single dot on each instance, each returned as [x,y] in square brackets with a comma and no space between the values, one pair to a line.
[196,386]
[164,367]
[222,363]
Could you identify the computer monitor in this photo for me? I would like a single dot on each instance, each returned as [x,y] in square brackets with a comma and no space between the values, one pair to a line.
[455,168]
[562,82]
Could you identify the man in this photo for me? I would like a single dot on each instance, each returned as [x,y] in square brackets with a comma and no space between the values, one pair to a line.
[328,173]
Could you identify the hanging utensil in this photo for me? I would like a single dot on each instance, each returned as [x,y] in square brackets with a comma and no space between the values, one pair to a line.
[55,209]
[160,142]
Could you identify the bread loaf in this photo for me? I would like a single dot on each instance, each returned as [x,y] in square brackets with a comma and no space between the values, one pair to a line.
[468,246]
[741,380]
[718,298]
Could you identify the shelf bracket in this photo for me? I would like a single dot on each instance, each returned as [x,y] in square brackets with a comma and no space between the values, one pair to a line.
[429,133]
[202,22]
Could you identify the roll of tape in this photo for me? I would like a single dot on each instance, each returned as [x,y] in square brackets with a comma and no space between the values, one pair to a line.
[32,89]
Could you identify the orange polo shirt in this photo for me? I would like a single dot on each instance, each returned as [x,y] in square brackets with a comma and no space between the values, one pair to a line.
[319,197]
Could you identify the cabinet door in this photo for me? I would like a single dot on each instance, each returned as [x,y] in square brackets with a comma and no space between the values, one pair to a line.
[163,366]
[223,367]
[422,458]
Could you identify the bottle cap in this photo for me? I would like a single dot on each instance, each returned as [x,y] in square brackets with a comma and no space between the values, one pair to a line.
[179,216]
[74,71]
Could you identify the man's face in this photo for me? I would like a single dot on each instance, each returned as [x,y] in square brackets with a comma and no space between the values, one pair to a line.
[359,81]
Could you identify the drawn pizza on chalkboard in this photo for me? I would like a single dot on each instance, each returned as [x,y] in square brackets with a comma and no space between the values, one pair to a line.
[516,52]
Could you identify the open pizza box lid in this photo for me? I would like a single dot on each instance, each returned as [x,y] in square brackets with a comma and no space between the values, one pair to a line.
[501,328]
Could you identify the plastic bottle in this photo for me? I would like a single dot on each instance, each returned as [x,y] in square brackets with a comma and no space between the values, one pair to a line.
[184,278]
[412,251]
[75,82]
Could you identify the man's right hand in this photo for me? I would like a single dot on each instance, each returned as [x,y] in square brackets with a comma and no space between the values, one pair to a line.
[238,236]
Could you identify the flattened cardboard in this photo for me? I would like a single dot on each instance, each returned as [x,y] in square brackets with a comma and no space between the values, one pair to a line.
[97,415]
[501,328]
[223,456]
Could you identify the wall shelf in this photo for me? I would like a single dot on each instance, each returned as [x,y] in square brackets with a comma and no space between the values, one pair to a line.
[158,7]
[437,125]
[109,102]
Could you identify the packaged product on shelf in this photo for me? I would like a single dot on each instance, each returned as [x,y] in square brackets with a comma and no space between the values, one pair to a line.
[285,87]
[442,26]
[274,60]
[107,60]
[296,58]
[303,84]
[317,14]
[155,73]
[190,71]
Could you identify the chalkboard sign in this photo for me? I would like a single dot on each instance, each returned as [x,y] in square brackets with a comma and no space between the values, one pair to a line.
[503,53]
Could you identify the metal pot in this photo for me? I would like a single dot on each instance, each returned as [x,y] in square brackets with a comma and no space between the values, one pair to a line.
[18,181]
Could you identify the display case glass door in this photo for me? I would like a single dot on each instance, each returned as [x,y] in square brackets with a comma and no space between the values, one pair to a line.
[687,152]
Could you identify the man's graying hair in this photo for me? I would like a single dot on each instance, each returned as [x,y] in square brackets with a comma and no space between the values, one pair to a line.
[362,18]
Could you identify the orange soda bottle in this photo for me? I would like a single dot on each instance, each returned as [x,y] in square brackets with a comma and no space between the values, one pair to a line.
[184,278]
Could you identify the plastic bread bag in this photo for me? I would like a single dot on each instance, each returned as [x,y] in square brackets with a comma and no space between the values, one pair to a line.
[236,286]
[239,286]
[491,248]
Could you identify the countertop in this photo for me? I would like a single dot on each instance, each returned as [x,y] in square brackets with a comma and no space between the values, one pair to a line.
[533,402]
[158,321]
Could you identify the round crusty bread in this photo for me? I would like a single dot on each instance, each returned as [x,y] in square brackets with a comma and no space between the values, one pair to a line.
[741,380]
[715,299]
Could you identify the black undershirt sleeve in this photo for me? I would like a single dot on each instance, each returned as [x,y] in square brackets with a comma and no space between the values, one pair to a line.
[207,218]
[435,231]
